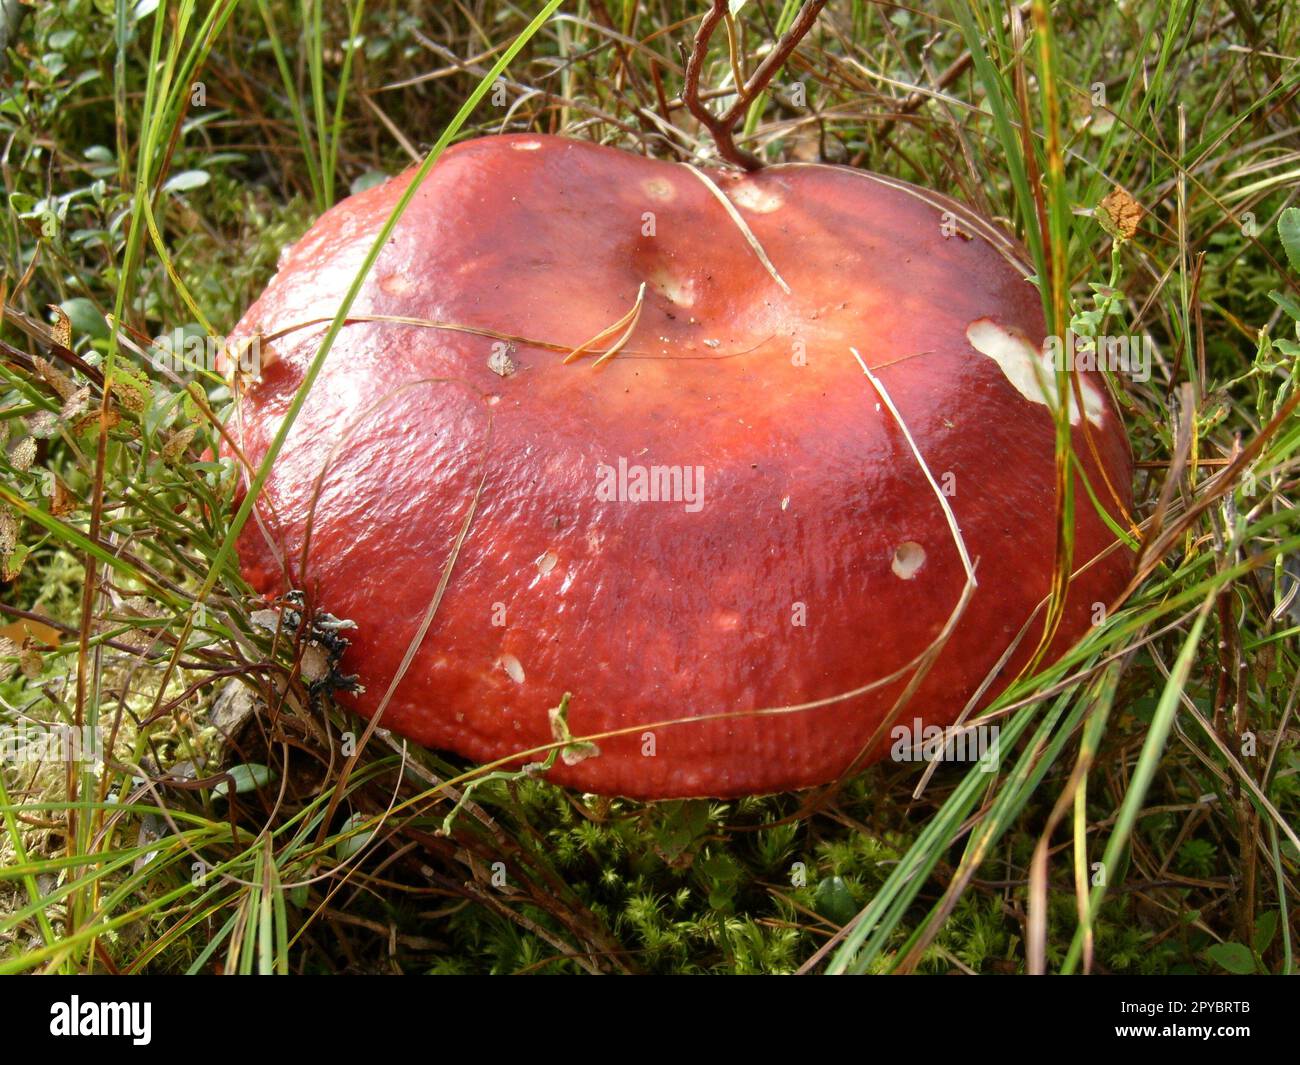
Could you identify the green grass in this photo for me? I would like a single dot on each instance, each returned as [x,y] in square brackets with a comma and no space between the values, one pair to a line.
[1144,817]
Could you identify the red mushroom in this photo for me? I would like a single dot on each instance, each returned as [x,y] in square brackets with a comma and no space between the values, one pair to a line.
[621,404]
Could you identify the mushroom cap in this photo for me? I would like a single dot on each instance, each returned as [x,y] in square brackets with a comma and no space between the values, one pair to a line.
[796,552]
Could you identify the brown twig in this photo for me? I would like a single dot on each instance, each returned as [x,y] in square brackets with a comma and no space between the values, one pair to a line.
[722,127]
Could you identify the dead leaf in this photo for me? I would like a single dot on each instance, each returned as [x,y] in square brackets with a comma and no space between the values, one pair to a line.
[63,385]
[61,500]
[13,564]
[62,327]
[31,663]
[74,405]
[8,531]
[24,630]
[1122,212]
[175,444]
[130,392]
[23,454]
[43,425]
[91,421]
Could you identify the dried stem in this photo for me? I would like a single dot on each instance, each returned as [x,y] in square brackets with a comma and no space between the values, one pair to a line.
[721,127]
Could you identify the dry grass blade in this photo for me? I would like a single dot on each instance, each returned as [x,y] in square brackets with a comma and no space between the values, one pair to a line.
[740,224]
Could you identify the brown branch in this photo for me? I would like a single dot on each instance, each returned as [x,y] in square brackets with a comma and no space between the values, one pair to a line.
[722,127]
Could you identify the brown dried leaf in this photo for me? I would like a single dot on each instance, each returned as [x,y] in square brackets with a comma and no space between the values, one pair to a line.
[91,421]
[176,443]
[62,327]
[61,500]
[13,564]
[30,633]
[31,663]
[43,425]
[1122,212]
[63,385]
[75,404]
[23,454]
[8,531]
[130,393]
[8,650]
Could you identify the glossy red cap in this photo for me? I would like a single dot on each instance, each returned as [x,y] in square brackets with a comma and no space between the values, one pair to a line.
[794,549]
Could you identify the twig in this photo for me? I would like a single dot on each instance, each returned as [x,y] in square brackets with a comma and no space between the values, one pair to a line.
[722,127]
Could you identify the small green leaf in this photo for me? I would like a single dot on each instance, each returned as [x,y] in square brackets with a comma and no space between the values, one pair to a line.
[1265,930]
[1286,303]
[85,318]
[348,845]
[1232,956]
[186,180]
[684,822]
[834,901]
[368,180]
[1288,228]
[247,778]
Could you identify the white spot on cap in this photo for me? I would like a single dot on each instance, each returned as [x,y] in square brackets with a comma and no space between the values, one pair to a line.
[1030,369]
[397,285]
[909,557]
[546,562]
[526,146]
[754,197]
[676,288]
[514,670]
[659,189]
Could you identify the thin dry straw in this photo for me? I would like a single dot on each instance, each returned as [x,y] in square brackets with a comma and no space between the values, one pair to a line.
[927,658]
[631,325]
[991,234]
[745,231]
[512,338]
[629,320]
